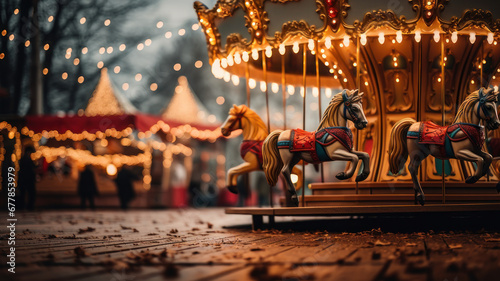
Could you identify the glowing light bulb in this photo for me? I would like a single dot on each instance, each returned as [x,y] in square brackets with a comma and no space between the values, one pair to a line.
[418,36]
[399,36]
[328,92]
[255,54]
[346,41]
[310,45]
[436,36]
[362,39]
[490,37]
[295,47]
[275,87]
[454,37]
[269,51]
[315,92]
[282,49]
[230,60]
[227,76]
[245,56]
[381,38]
[472,37]
[223,62]
[263,86]
[236,80]
[252,83]
[237,58]
[328,42]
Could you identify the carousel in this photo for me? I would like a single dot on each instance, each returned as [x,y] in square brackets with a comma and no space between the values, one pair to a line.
[432,61]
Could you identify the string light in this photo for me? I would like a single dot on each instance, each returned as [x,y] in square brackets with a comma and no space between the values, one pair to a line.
[230,60]
[255,54]
[177,67]
[237,58]
[282,49]
[50,18]
[295,47]
[76,61]
[11,37]
[159,24]
[117,69]
[181,32]
[122,47]
[195,27]
[399,36]
[418,36]
[84,50]
[252,83]
[168,34]
[263,86]
[346,41]
[362,39]
[328,42]
[107,22]
[472,37]
[100,64]
[454,37]
[220,100]
[81,79]
[153,87]
[138,77]
[381,38]
[198,64]
[140,46]
[269,51]
[490,38]
[148,42]
[83,20]
[436,36]
[125,86]
[235,79]
[45,71]
[245,56]
[2,56]
[227,76]
[102,50]
[64,76]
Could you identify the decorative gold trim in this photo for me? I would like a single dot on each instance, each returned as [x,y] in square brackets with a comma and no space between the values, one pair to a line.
[206,19]
[472,18]
[256,19]
[380,18]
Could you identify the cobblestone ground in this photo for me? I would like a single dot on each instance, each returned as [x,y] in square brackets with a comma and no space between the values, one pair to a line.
[206,244]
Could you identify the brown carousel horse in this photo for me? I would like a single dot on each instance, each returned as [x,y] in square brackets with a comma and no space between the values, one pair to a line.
[331,141]
[254,133]
[461,140]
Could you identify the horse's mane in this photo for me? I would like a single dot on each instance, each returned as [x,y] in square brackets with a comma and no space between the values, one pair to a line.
[257,130]
[331,115]
[466,112]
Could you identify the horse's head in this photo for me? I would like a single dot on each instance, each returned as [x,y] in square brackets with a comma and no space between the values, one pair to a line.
[233,121]
[486,107]
[353,108]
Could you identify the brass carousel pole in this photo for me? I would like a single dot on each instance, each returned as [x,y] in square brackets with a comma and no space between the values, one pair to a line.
[443,100]
[264,70]
[485,85]
[318,84]
[304,72]
[283,89]
[247,77]
[358,86]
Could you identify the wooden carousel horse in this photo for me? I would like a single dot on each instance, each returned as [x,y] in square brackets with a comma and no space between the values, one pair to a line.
[461,140]
[282,150]
[254,133]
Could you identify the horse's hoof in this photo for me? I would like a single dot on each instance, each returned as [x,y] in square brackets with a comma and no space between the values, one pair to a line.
[232,189]
[471,179]
[341,176]
[362,177]
[295,201]
[421,199]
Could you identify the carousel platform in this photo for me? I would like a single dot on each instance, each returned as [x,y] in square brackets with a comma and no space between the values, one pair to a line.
[449,209]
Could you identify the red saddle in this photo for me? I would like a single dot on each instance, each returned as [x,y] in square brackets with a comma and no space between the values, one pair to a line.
[431,133]
[254,147]
[303,140]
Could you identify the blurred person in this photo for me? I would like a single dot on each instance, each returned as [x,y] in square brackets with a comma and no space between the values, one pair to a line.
[27,180]
[87,187]
[124,184]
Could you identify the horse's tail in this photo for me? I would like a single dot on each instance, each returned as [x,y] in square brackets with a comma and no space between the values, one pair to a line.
[272,160]
[398,150]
